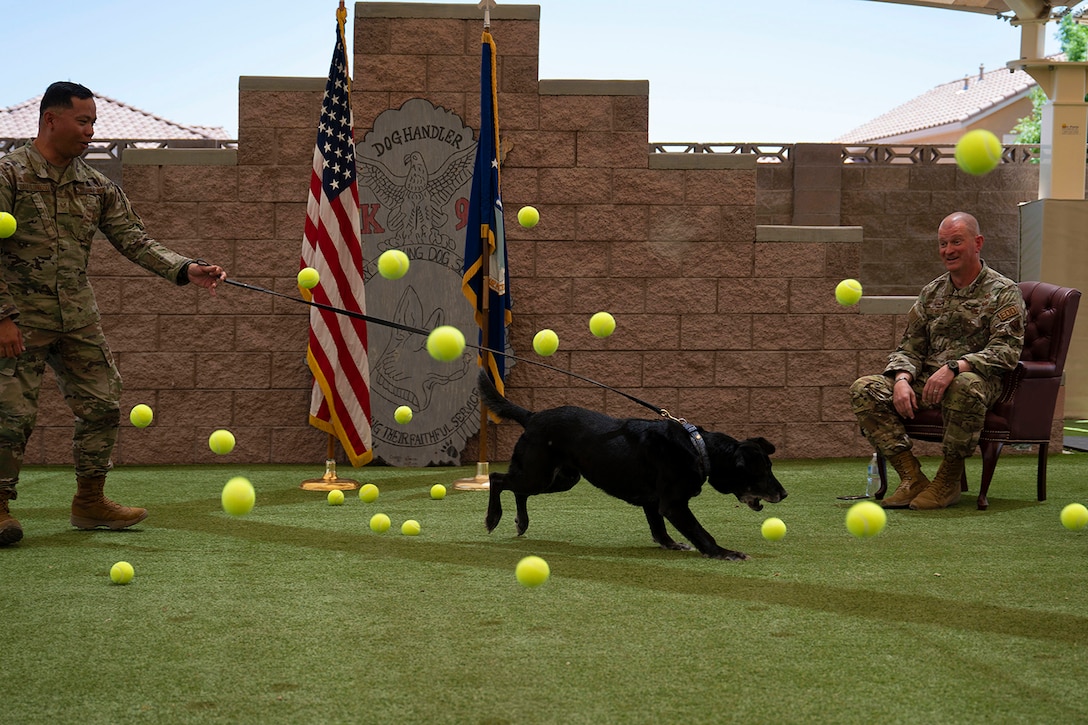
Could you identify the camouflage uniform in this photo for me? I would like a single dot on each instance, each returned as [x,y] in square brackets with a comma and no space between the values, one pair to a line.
[982,324]
[44,289]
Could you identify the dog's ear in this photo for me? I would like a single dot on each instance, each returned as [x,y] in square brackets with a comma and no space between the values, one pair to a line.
[764,444]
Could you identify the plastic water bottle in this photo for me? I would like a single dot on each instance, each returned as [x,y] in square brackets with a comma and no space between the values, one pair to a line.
[872,478]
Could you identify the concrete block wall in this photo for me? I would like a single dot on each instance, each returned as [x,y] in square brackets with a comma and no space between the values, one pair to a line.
[723,301]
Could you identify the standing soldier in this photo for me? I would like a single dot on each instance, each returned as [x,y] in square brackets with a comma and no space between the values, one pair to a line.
[47,308]
[965,330]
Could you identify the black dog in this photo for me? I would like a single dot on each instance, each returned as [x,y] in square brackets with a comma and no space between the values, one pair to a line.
[657,464]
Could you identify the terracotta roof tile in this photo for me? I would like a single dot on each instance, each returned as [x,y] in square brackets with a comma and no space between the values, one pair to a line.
[950,103]
[116,120]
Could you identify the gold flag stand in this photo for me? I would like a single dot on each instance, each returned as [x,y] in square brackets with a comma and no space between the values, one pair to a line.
[330,481]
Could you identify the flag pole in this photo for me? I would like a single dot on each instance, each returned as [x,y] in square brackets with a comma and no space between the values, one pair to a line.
[330,481]
[482,480]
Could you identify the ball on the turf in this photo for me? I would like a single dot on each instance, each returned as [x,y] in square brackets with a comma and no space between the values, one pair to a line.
[602,324]
[393,264]
[238,496]
[546,342]
[308,278]
[403,414]
[122,572]
[773,529]
[141,415]
[335,497]
[528,217]
[848,292]
[7,225]
[978,152]
[368,493]
[445,343]
[379,523]
[221,441]
[1074,517]
[532,571]
[865,519]
[438,491]
[410,528]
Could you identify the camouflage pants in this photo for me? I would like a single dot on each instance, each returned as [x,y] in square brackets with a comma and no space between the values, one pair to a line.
[90,383]
[963,408]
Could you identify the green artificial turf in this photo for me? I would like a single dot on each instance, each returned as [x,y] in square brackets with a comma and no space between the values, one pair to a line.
[298,613]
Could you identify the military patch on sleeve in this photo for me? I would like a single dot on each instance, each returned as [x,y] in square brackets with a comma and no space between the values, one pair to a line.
[1007,313]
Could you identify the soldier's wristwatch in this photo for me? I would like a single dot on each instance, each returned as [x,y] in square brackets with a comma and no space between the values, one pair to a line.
[954,366]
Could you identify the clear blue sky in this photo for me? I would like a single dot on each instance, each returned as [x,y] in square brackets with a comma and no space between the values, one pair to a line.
[719,70]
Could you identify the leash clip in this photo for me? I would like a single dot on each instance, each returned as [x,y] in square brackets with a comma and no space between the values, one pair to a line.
[696,440]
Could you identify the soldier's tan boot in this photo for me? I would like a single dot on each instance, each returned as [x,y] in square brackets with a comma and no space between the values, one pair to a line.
[91,509]
[945,489]
[912,480]
[10,530]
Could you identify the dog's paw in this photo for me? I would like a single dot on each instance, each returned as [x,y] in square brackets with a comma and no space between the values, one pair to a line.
[728,555]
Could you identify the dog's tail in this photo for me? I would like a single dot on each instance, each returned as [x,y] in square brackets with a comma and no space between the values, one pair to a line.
[499,405]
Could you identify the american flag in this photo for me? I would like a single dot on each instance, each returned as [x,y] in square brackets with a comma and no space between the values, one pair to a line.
[337,351]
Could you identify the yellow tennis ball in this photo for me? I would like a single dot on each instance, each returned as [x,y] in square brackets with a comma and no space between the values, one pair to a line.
[438,491]
[773,529]
[978,152]
[865,519]
[848,292]
[141,415]
[1074,517]
[393,264]
[122,572]
[403,414]
[368,493]
[546,342]
[410,528]
[445,343]
[602,324]
[532,571]
[335,497]
[528,217]
[221,441]
[238,496]
[7,225]
[308,278]
[379,523]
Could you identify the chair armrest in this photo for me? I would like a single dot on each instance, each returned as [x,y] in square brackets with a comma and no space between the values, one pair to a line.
[1011,382]
[1039,369]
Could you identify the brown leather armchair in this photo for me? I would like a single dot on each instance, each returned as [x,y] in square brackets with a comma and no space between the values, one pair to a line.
[1025,411]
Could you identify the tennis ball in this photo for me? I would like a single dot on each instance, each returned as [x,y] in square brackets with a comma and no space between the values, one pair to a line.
[122,572]
[445,343]
[379,523]
[335,497]
[1074,517]
[308,278]
[141,415]
[368,493]
[602,324]
[438,491]
[978,152]
[393,264]
[528,217]
[403,414]
[848,292]
[238,496]
[221,442]
[7,225]
[773,529]
[865,519]
[532,571]
[546,342]
[410,528]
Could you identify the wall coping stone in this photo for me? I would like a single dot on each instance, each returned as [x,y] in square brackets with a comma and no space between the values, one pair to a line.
[281,83]
[445,12]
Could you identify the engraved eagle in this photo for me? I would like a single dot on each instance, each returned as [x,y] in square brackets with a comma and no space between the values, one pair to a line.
[414,201]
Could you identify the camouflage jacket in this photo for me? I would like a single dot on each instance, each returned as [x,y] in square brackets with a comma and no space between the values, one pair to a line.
[43,266]
[982,323]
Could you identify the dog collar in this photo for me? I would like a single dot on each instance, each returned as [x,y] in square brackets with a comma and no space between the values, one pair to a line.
[700,449]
